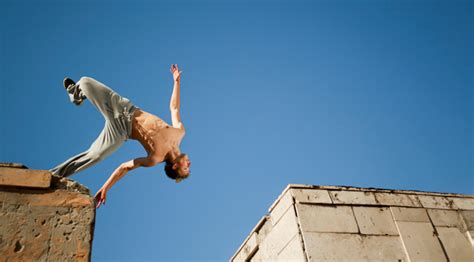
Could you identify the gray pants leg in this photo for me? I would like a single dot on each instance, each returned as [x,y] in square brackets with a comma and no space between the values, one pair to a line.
[117,112]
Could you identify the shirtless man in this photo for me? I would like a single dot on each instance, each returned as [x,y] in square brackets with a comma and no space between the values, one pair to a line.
[160,140]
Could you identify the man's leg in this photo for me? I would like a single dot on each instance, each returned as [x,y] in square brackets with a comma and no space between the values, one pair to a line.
[105,144]
[111,137]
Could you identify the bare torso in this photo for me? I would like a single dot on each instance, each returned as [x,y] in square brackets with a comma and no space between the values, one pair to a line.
[155,135]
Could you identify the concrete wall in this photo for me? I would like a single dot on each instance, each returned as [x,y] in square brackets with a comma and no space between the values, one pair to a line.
[43,217]
[314,223]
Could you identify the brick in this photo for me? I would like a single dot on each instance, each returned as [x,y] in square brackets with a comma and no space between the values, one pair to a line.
[420,241]
[375,221]
[353,247]
[353,197]
[410,214]
[314,218]
[10,176]
[312,196]
[455,243]
[394,199]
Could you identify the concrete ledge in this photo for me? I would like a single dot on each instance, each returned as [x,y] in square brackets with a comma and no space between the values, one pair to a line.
[13,176]
[44,217]
[353,223]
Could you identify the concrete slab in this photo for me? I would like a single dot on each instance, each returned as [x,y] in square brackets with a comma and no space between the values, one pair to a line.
[11,176]
[316,218]
[463,203]
[410,214]
[468,217]
[353,197]
[436,202]
[280,235]
[445,218]
[394,199]
[312,196]
[293,251]
[420,241]
[280,208]
[375,221]
[456,244]
[353,247]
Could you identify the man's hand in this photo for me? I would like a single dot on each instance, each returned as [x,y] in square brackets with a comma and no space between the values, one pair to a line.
[100,196]
[175,71]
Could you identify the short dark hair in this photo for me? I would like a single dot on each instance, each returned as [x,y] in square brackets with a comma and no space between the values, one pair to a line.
[172,173]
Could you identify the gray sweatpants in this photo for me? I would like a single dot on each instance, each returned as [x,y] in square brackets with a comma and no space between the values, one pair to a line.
[117,112]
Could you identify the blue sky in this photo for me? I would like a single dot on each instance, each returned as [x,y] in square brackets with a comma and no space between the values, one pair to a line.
[360,93]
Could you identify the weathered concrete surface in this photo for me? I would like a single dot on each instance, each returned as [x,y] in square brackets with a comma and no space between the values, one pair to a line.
[375,221]
[11,176]
[337,223]
[46,224]
[315,218]
[353,247]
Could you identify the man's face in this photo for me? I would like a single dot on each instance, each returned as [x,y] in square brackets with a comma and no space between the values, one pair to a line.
[184,166]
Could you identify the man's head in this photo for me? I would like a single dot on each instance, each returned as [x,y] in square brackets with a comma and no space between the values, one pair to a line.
[178,169]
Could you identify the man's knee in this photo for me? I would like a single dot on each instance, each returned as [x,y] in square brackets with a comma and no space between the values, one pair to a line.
[86,80]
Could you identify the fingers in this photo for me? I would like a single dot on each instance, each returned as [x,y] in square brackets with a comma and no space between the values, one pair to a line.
[174,67]
[100,198]
[101,201]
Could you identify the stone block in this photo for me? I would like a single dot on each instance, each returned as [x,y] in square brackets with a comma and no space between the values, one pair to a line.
[468,217]
[445,218]
[255,258]
[279,236]
[48,198]
[375,221]
[463,203]
[353,247]
[286,201]
[10,176]
[395,199]
[315,218]
[410,214]
[456,244]
[46,224]
[293,251]
[353,197]
[436,202]
[420,241]
[311,196]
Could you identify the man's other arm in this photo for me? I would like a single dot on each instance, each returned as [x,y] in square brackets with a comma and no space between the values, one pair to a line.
[120,171]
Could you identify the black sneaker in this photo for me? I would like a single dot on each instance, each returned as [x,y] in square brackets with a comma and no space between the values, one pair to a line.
[75,94]
[67,82]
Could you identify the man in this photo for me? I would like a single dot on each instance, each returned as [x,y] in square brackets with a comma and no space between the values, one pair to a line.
[123,121]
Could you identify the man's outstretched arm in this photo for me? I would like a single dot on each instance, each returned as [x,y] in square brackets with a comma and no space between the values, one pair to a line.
[175,102]
[120,172]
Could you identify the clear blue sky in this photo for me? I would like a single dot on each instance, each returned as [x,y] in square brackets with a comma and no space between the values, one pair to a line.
[361,93]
